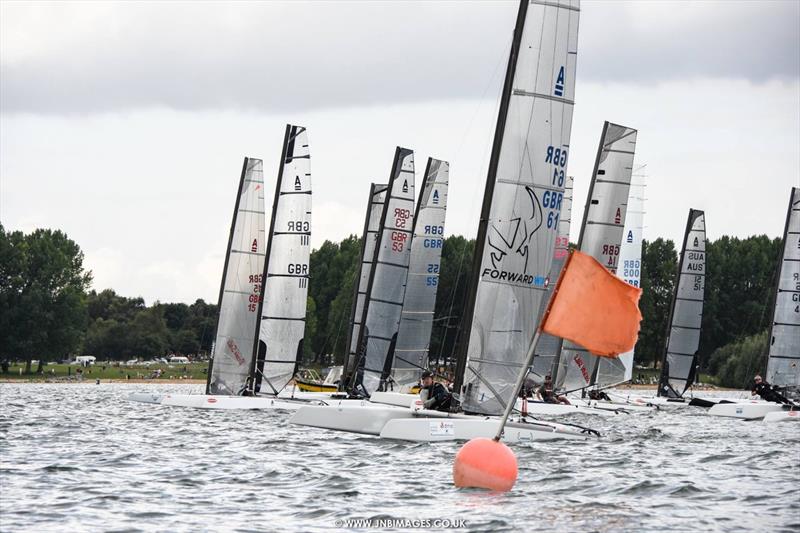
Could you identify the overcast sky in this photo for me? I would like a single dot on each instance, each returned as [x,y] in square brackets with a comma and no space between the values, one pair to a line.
[124,124]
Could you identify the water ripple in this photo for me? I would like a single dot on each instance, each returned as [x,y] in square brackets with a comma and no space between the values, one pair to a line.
[80,458]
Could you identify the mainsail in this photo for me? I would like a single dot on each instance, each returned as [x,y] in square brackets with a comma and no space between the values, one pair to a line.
[372,222]
[240,288]
[387,282]
[618,370]
[416,321]
[783,367]
[686,316]
[521,205]
[601,235]
[283,307]
[549,346]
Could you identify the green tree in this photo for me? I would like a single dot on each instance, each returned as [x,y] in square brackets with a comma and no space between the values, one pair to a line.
[42,298]
[737,362]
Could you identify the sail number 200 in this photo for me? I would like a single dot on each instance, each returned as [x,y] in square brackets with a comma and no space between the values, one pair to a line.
[558,157]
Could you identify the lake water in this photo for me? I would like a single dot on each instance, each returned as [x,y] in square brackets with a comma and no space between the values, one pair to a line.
[80,458]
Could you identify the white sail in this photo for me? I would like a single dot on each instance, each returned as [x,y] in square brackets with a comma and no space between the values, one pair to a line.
[375,206]
[783,368]
[283,312]
[686,317]
[610,371]
[416,321]
[601,235]
[549,346]
[522,204]
[386,290]
[232,354]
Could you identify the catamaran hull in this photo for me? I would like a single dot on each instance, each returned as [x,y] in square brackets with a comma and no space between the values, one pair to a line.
[366,418]
[782,416]
[746,411]
[203,401]
[460,429]
[145,397]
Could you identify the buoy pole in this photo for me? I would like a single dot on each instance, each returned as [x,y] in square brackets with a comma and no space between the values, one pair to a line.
[520,379]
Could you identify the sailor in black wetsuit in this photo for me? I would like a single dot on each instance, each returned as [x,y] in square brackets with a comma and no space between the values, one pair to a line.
[434,395]
[765,390]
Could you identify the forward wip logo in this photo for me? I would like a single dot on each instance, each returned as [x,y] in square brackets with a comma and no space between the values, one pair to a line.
[515,241]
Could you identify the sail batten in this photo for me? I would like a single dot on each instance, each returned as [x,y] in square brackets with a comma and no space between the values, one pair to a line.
[240,289]
[522,204]
[783,364]
[686,315]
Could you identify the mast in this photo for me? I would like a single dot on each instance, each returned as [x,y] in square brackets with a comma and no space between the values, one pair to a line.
[685,305]
[477,258]
[225,270]
[365,235]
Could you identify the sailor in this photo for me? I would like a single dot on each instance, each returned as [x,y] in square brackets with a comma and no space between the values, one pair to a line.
[548,394]
[765,390]
[434,395]
[596,394]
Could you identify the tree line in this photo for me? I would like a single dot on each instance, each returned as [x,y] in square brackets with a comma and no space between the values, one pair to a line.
[48,312]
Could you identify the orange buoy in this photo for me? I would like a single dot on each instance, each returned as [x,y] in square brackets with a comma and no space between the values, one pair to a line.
[486,464]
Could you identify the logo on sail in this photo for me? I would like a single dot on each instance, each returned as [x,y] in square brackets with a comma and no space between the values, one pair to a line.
[405,186]
[515,240]
[235,351]
[435,197]
[559,88]
[630,236]
[297,185]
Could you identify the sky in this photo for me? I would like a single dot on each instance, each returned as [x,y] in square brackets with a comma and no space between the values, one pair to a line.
[125,124]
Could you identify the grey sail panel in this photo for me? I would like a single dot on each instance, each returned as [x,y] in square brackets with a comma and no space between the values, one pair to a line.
[375,207]
[522,204]
[601,235]
[683,338]
[241,286]
[783,366]
[386,290]
[416,320]
[283,312]
[610,371]
[549,346]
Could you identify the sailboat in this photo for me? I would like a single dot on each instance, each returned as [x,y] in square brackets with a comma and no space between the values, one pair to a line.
[385,291]
[679,362]
[515,245]
[601,237]
[251,369]
[410,355]
[240,288]
[783,361]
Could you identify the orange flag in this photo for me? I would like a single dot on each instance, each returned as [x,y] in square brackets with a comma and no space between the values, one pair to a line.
[594,308]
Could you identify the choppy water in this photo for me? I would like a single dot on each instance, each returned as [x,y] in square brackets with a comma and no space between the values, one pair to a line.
[80,458]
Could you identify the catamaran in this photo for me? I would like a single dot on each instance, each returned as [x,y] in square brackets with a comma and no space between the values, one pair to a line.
[783,361]
[514,249]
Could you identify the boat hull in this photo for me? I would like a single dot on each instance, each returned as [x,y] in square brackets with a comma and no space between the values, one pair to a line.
[364,418]
[204,401]
[782,416]
[746,411]
[145,397]
[310,386]
[461,429]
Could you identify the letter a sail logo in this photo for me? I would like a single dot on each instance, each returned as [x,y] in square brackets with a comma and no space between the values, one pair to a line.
[297,185]
[435,197]
[254,247]
[630,236]
[618,217]
[696,242]
[559,88]
[405,186]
